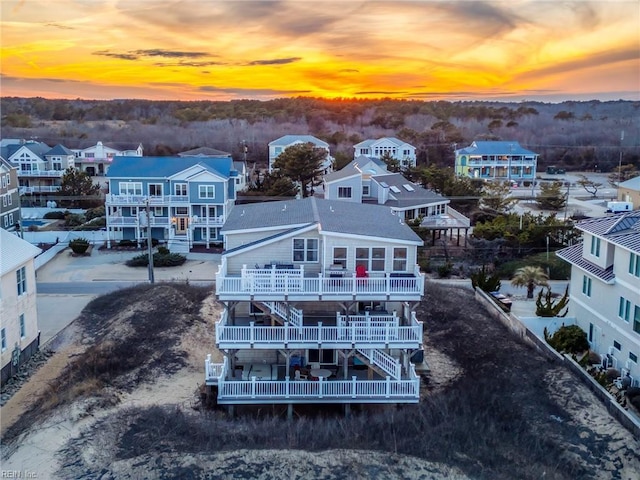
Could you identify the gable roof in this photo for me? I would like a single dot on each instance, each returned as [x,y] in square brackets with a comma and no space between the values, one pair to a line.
[631,184]
[494,148]
[164,167]
[622,229]
[289,139]
[204,152]
[411,195]
[59,149]
[573,255]
[120,146]
[355,167]
[369,142]
[331,216]
[38,148]
[14,251]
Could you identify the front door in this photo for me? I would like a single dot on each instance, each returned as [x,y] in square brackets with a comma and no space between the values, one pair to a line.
[182,224]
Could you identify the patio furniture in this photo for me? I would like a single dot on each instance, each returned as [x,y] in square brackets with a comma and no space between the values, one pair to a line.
[320,372]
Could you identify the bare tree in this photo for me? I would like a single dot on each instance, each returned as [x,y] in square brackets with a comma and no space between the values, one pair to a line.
[589,185]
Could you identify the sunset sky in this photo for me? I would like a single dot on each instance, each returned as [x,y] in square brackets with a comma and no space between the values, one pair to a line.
[222,50]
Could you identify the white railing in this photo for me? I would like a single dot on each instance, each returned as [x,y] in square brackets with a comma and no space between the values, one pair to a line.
[208,221]
[48,188]
[293,315]
[354,390]
[40,173]
[215,371]
[376,335]
[113,199]
[388,364]
[134,221]
[272,281]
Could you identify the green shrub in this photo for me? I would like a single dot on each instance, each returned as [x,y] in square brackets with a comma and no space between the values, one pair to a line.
[550,307]
[568,339]
[159,260]
[444,271]
[55,215]
[79,245]
[558,268]
[127,243]
[163,250]
[73,220]
[485,282]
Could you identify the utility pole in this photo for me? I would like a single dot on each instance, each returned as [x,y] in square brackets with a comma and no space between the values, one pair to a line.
[149,244]
[620,161]
[566,203]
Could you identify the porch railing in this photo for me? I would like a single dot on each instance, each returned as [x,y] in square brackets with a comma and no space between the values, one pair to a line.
[292,281]
[113,199]
[215,371]
[293,315]
[374,334]
[388,364]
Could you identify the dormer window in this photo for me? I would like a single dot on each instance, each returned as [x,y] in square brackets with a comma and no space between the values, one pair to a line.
[595,246]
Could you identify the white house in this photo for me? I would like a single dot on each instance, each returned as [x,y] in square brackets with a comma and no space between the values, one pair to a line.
[281,144]
[605,288]
[404,152]
[319,300]
[366,180]
[96,159]
[19,334]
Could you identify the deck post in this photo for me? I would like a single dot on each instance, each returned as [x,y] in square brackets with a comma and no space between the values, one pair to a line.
[353,386]
[347,410]
[320,385]
[286,386]
[387,392]
[290,411]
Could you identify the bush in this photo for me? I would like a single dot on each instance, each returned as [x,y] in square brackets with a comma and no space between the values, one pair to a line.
[56,215]
[558,268]
[485,282]
[79,245]
[445,270]
[94,213]
[568,339]
[163,250]
[159,260]
[127,243]
[73,220]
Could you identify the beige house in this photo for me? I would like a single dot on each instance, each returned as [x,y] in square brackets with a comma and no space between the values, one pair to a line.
[629,191]
[19,334]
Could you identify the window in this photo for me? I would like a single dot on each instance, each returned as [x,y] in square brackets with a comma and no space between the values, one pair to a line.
[636,319]
[6,222]
[131,188]
[11,219]
[180,189]
[633,357]
[586,285]
[57,166]
[4,181]
[617,345]
[182,211]
[207,191]
[344,192]
[634,265]
[90,155]
[365,191]
[340,256]
[21,278]
[158,211]
[3,339]
[9,201]
[624,309]
[155,189]
[8,179]
[4,200]
[370,258]
[399,259]
[23,327]
[595,246]
[305,249]
[134,211]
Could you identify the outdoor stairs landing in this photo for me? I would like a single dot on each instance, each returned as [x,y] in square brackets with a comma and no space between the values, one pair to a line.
[178,246]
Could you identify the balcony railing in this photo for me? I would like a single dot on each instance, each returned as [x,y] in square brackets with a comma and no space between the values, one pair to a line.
[275,284]
[360,331]
[255,391]
[39,189]
[139,200]
[40,173]
[135,222]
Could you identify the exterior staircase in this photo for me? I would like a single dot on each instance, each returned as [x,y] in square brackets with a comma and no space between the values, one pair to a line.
[279,310]
[381,362]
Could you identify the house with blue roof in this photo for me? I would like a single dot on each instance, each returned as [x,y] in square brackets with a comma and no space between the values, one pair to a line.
[399,150]
[319,306]
[183,201]
[281,144]
[504,161]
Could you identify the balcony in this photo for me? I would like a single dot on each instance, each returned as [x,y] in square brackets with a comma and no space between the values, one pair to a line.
[208,221]
[139,200]
[135,222]
[39,189]
[361,331]
[41,173]
[351,390]
[294,284]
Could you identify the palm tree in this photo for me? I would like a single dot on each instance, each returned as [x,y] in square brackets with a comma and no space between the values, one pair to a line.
[530,277]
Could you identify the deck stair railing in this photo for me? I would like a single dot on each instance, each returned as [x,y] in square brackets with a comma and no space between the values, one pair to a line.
[214,372]
[293,316]
[385,362]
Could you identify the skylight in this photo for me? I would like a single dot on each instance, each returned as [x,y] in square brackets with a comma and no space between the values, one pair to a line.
[408,187]
[394,189]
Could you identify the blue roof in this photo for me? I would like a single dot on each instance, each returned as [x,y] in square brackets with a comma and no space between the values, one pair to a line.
[164,167]
[495,148]
[59,149]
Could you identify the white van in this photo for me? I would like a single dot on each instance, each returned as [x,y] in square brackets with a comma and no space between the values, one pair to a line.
[618,207]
